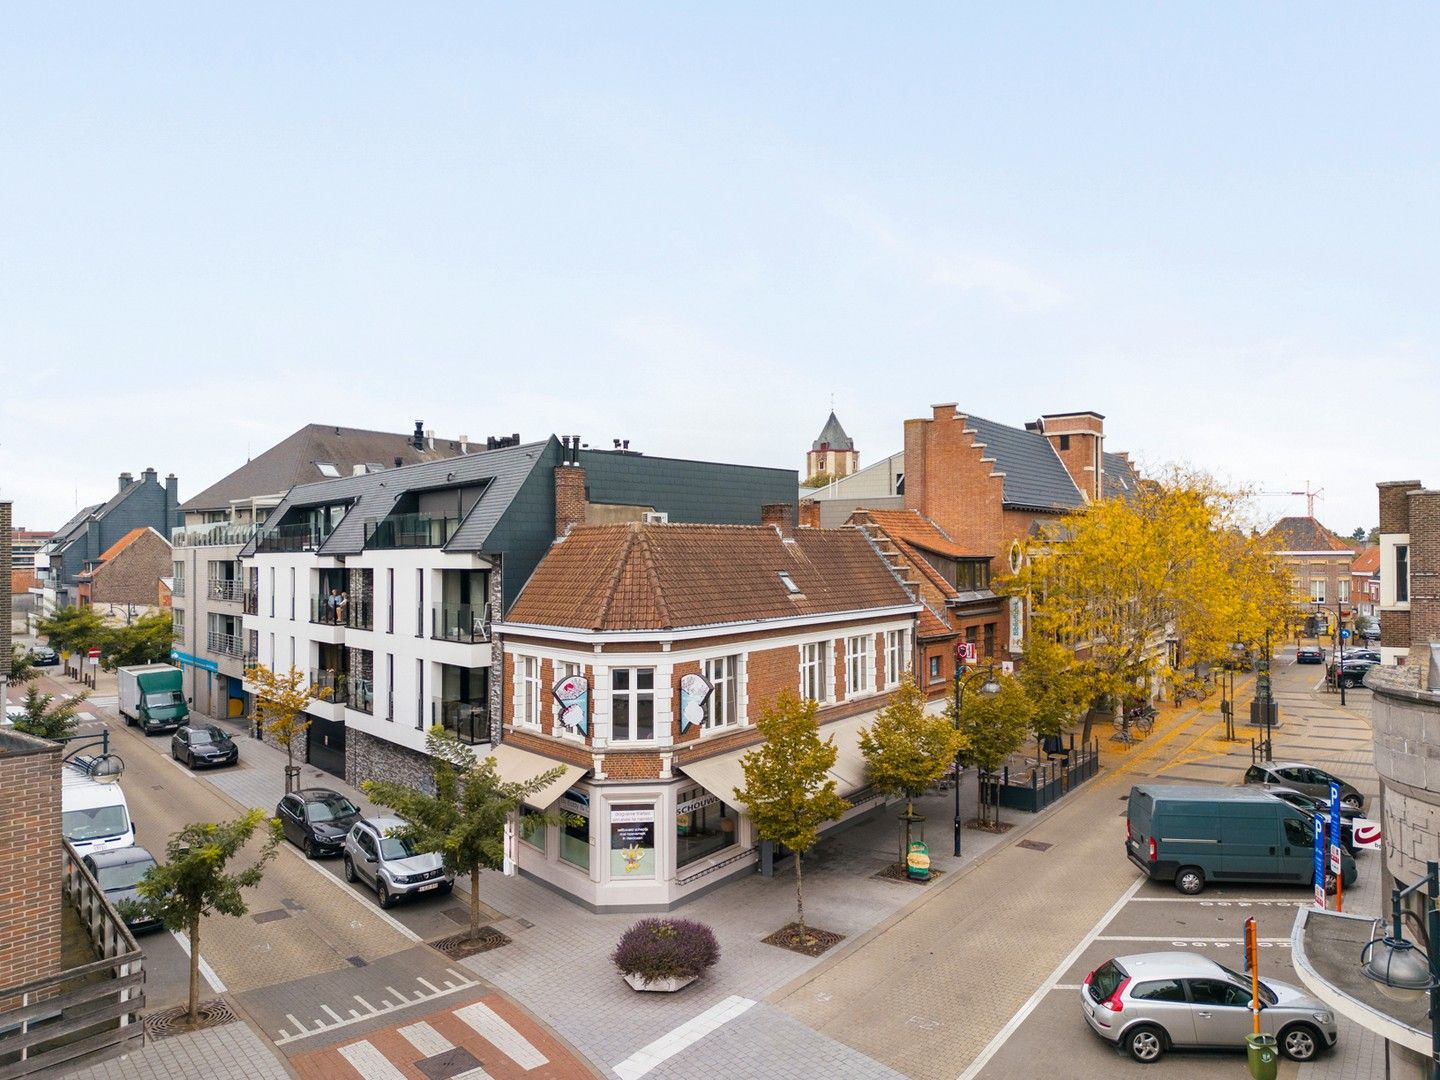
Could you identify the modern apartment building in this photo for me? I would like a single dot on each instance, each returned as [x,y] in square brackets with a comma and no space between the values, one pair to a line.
[384,587]
[211,589]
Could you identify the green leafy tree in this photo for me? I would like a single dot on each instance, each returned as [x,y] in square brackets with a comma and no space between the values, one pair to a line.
[148,640]
[464,820]
[22,666]
[819,480]
[74,629]
[907,749]
[47,718]
[1359,534]
[194,881]
[788,789]
[996,725]
[1052,683]
[280,702]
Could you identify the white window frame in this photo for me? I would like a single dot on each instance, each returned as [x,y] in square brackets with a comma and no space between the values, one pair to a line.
[1343,587]
[1317,591]
[816,656]
[724,691]
[897,656]
[634,695]
[527,692]
[859,665]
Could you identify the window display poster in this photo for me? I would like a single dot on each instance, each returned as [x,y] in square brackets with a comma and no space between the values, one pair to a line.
[632,842]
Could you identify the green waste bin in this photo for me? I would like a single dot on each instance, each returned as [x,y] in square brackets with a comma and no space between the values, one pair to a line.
[1264,1059]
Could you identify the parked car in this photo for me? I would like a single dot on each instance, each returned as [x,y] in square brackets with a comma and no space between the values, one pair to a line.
[203,745]
[1351,671]
[1371,632]
[1362,653]
[1309,654]
[1306,779]
[1193,834]
[1150,1002]
[43,656]
[1312,806]
[118,871]
[316,820]
[390,865]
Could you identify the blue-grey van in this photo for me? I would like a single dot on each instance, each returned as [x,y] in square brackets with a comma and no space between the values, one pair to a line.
[1193,834]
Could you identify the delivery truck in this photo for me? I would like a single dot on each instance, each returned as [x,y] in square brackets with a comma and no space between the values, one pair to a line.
[152,696]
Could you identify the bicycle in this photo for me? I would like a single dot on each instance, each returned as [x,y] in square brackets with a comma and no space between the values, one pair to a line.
[1122,732]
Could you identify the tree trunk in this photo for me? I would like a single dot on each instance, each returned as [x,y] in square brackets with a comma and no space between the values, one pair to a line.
[799,899]
[980,796]
[194,970]
[475,903]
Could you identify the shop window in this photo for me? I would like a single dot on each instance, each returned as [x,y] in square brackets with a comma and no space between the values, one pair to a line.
[632,704]
[935,673]
[632,841]
[703,825]
[575,833]
[532,828]
[722,707]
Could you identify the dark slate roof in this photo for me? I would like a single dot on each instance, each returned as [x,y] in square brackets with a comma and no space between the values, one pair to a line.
[1035,477]
[295,460]
[833,436]
[1121,478]
[372,496]
[71,527]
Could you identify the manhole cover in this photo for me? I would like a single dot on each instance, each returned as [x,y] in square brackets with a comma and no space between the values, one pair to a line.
[453,1062]
[356,961]
[176,1021]
[270,916]
[526,923]
[1035,845]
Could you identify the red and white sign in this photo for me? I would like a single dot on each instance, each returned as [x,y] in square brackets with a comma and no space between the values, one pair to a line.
[965,652]
[1320,896]
[1366,833]
[1335,858]
[93,654]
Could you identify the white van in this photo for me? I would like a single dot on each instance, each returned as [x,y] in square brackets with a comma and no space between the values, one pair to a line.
[93,816]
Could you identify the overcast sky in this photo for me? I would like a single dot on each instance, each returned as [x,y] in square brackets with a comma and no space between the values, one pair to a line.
[691,225]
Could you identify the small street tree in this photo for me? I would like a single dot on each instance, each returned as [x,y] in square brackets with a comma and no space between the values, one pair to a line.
[464,820]
[788,789]
[280,702]
[1054,686]
[995,726]
[907,749]
[74,629]
[46,718]
[22,666]
[194,881]
[147,640]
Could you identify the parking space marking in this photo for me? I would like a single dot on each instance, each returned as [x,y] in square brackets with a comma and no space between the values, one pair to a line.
[1013,1024]
[1177,941]
[692,1031]
[287,1035]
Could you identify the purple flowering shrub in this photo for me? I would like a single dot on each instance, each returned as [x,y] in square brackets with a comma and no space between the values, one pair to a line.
[656,949]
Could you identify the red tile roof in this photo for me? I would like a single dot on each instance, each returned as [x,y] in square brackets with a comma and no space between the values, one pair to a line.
[670,576]
[124,542]
[1306,534]
[1367,560]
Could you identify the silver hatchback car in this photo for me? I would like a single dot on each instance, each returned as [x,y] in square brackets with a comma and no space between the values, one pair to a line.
[389,865]
[1151,1002]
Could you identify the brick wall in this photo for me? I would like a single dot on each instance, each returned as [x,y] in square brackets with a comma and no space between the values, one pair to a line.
[1395,505]
[133,576]
[569,497]
[6,530]
[30,860]
[1424,578]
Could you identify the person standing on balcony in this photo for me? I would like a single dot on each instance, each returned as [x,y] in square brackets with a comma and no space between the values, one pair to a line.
[332,602]
[341,607]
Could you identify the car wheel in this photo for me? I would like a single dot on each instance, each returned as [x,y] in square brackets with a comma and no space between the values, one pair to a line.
[1145,1043]
[307,848]
[446,888]
[1300,1042]
[190,761]
[1190,880]
[387,899]
[1350,800]
[1348,683]
[349,868]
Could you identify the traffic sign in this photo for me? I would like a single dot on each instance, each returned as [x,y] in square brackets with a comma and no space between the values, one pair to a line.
[1344,635]
[93,654]
[1319,861]
[965,652]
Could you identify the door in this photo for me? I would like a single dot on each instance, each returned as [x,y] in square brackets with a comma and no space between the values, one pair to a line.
[325,746]
[290,810]
[367,865]
[1221,1011]
[1248,843]
[1298,850]
[1164,1002]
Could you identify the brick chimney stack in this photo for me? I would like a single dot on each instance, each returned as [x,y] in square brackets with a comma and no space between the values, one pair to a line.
[809,514]
[570,501]
[780,516]
[1079,439]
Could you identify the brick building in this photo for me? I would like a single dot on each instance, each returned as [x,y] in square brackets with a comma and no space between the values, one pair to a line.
[1410,578]
[1319,564]
[30,860]
[126,578]
[639,656]
[832,453]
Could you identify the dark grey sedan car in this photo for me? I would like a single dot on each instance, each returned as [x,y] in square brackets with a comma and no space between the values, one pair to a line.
[207,745]
[1306,779]
[316,820]
[119,870]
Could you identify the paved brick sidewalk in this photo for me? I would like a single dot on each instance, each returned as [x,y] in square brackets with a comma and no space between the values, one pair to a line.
[229,1052]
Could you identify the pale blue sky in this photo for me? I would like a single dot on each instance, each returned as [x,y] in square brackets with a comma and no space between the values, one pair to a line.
[690,225]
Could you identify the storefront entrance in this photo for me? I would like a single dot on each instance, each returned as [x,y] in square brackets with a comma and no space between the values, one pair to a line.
[325,746]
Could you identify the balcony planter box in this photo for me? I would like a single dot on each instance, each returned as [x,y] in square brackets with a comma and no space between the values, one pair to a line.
[664,985]
[665,955]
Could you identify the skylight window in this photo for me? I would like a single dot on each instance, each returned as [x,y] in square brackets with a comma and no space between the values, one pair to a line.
[789,583]
[327,469]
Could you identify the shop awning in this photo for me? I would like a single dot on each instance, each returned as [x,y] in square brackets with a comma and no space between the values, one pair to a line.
[516,766]
[722,774]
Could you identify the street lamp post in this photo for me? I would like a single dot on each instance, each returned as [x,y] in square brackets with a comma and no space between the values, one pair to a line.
[989,686]
[1398,966]
[1339,649]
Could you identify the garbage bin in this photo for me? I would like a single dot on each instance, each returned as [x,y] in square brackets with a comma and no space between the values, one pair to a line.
[1263,1057]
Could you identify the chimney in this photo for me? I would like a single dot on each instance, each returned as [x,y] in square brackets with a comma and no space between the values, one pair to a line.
[779,516]
[172,500]
[126,480]
[945,411]
[464,444]
[418,439]
[809,514]
[399,461]
[1079,440]
[150,475]
[570,498]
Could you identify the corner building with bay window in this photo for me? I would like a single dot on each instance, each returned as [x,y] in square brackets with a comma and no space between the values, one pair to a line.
[639,655]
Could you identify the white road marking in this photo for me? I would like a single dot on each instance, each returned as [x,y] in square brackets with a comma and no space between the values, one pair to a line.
[206,971]
[1233,940]
[362,1001]
[426,1040]
[1238,902]
[342,883]
[1003,1035]
[493,1029]
[365,1059]
[333,1014]
[667,1046]
[298,1025]
[282,1037]
[429,985]
[472,1074]
[1066,986]
[396,994]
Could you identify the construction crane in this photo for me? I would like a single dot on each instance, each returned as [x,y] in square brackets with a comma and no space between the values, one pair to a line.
[1309,497]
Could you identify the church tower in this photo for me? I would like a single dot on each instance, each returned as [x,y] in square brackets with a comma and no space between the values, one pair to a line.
[833,454]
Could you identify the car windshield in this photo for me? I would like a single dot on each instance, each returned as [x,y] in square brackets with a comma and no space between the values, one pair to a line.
[329,809]
[1266,994]
[94,823]
[201,736]
[124,876]
[392,847]
[163,700]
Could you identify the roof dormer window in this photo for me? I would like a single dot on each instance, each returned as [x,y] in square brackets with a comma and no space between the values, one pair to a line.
[789,583]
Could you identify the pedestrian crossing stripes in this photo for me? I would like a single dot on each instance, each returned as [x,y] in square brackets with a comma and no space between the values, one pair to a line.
[396,1001]
[692,1031]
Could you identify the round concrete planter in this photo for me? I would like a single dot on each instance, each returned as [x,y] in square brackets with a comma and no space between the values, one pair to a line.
[664,986]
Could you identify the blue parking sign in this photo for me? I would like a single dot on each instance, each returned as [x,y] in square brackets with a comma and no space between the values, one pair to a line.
[1319,861]
[1335,827]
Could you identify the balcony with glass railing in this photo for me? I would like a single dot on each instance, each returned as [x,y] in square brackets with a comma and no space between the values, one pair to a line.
[283,538]
[360,695]
[333,681]
[225,589]
[218,535]
[460,622]
[467,720]
[177,587]
[410,531]
[225,644]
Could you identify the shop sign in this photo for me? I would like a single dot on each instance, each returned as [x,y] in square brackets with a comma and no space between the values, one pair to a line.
[696,804]
[1017,624]
[575,802]
[573,695]
[632,841]
[695,690]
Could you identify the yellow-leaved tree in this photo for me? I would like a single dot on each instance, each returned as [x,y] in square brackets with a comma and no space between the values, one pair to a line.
[280,701]
[1173,560]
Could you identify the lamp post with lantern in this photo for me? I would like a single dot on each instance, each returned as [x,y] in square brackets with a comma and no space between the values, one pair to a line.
[965,653]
